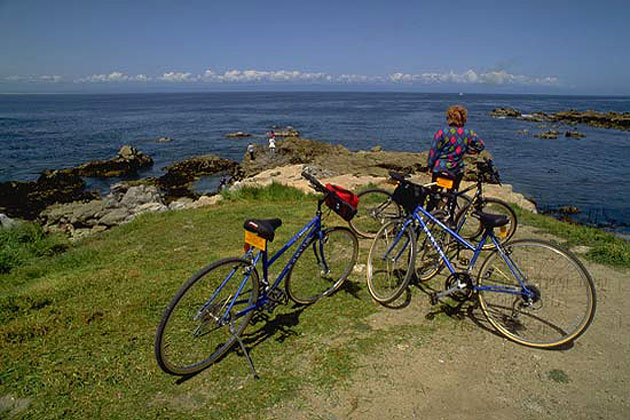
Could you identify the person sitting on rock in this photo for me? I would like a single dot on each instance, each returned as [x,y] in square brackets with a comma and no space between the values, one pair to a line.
[450,144]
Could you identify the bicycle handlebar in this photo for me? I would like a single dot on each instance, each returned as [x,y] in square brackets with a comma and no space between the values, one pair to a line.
[398,176]
[317,186]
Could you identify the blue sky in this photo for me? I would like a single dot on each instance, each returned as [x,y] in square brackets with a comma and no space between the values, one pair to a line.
[571,47]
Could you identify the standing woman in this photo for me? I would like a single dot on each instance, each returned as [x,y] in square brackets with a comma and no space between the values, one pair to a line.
[450,144]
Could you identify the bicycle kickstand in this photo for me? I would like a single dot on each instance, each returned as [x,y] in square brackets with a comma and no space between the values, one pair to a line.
[245,352]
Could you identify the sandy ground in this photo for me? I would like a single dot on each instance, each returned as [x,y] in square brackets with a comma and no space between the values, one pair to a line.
[467,371]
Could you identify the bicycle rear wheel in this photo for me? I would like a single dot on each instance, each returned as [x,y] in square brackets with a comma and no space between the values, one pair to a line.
[376,207]
[323,266]
[470,226]
[390,262]
[193,332]
[560,300]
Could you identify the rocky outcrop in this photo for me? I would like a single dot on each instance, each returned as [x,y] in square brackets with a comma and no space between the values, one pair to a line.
[26,200]
[549,134]
[287,131]
[180,175]
[237,134]
[574,134]
[6,222]
[163,139]
[611,119]
[128,161]
[121,205]
[339,160]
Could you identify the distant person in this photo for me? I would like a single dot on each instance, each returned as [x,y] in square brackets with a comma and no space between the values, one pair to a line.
[250,150]
[450,144]
[272,143]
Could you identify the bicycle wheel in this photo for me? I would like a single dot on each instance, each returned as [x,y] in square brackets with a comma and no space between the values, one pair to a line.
[390,262]
[323,266]
[562,300]
[470,227]
[190,336]
[376,207]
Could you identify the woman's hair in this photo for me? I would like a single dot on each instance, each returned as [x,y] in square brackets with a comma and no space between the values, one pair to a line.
[456,115]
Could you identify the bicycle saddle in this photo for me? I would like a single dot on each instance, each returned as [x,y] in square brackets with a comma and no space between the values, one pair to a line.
[264,228]
[490,221]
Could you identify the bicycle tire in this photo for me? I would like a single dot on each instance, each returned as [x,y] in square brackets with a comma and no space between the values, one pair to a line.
[542,264]
[340,249]
[471,229]
[178,323]
[376,207]
[385,281]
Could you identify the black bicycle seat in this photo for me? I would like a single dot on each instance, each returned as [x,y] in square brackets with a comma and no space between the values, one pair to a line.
[490,221]
[265,228]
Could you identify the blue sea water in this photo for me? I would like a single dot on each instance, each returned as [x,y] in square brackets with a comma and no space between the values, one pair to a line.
[40,132]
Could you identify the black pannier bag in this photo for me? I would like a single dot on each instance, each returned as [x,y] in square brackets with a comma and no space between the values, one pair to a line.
[342,201]
[409,195]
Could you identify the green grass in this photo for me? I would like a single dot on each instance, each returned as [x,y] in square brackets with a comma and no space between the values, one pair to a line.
[77,329]
[605,247]
[25,242]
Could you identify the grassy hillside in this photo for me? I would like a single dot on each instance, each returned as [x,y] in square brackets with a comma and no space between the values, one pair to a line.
[77,328]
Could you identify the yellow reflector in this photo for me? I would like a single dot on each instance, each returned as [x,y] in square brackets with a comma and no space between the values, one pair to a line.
[503,231]
[255,240]
[445,182]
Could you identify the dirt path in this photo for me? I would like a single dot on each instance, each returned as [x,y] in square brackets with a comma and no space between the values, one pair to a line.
[466,371]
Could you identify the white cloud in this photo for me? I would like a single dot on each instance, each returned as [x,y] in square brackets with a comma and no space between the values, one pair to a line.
[45,78]
[498,77]
[113,77]
[495,77]
[177,76]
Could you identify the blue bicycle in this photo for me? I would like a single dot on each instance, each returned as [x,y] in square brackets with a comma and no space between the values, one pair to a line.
[209,313]
[533,292]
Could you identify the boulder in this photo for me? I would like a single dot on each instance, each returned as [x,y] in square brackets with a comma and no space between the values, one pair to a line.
[163,139]
[128,161]
[574,134]
[505,113]
[549,134]
[287,131]
[6,222]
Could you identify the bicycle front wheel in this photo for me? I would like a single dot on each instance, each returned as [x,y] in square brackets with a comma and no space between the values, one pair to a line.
[469,226]
[390,262]
[323,266]
[555,303]
[198,325]
[376,207]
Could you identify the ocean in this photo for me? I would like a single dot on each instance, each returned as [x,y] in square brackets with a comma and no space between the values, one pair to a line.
[39,132]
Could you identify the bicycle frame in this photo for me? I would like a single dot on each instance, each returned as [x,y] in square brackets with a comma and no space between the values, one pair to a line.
[417,216]
[310,230]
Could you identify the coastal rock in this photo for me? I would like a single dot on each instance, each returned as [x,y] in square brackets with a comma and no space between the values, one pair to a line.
[6,222]
[287,131]
[237,134]
[26,199]
[128,161]
[377,148]
[505,113]
[574,134]
[611,119]
[163,139]
[179,176]
[121,205]
[549,134]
